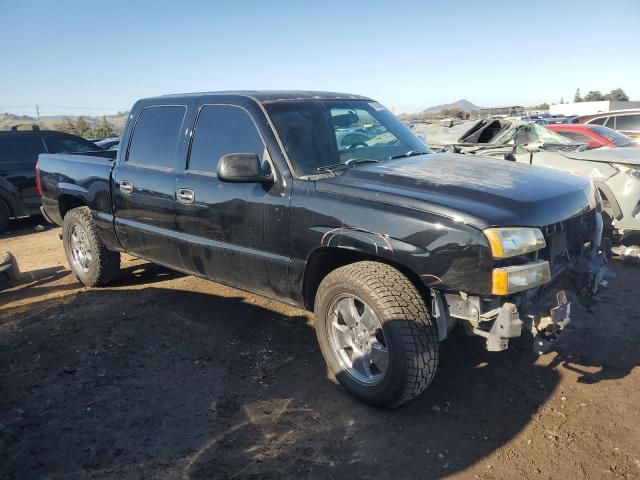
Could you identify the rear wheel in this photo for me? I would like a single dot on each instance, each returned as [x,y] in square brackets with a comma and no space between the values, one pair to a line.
[376,334]
[4,215]
[92,263]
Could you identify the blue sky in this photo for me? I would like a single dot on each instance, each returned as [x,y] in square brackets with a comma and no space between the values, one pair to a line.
[99,57]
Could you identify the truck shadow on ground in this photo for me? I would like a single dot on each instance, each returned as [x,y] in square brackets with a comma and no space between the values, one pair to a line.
[186,384]
[25,226]
[40,282]
[37,282]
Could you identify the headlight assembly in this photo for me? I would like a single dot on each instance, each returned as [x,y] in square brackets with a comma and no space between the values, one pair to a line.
[510,242]
[507,280]
[629,170]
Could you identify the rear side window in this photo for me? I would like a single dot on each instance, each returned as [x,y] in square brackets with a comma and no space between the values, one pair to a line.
[627,122]
[155,136]
[222,129]
[64,144]
[20,148]
[610,123]
[616,137]
[598,121]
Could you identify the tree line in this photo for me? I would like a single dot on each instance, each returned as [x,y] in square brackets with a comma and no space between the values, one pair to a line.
[615,95]
[84,128]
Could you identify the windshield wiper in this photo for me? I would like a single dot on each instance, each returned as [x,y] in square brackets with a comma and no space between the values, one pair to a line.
[410,153]
[351,161]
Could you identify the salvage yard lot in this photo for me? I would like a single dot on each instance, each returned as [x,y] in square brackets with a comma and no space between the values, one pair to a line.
[163,375]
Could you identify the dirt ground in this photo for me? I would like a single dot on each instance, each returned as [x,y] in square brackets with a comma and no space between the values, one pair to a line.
[163,375]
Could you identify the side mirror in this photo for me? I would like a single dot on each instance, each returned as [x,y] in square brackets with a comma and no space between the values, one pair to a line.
[532,146]
[242,168]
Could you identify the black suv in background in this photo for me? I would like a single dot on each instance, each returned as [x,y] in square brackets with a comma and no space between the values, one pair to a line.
[19,150]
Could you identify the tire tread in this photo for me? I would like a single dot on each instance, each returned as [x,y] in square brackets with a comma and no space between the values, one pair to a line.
[401,301]
[107,261]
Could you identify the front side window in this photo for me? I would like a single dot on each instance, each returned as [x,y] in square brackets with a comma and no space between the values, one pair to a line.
[627,122]
[155,136]
[323,133]
[222,129]
[20,148]
[64,144]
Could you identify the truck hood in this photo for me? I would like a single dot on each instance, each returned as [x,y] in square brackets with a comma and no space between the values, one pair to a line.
[477,190]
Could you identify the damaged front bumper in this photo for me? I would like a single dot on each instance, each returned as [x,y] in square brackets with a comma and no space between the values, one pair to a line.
[544,312]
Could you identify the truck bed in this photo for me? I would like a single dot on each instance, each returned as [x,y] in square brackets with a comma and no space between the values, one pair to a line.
[67,176]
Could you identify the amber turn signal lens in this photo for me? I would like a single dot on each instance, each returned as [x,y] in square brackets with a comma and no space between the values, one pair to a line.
[507,280]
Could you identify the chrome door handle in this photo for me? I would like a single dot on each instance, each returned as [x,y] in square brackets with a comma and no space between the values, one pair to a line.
[126,187]
[184,195]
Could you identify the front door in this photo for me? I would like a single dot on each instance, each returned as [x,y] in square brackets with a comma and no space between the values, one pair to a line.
[145,183]
[236,233]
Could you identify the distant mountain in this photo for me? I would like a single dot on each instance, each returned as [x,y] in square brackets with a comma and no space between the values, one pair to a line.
[464,105]
[48,122]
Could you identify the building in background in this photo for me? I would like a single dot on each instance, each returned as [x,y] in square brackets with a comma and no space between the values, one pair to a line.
[590,108]
[491,112]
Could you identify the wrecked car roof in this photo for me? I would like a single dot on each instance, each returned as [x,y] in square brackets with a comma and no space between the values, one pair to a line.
[445,135]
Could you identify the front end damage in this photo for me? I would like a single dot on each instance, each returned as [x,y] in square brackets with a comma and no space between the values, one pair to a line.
[579,270]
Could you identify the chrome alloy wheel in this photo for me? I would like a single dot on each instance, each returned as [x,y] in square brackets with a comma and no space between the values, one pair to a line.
[357,340]
[80,249]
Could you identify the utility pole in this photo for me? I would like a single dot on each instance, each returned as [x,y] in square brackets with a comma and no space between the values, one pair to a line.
[38,114]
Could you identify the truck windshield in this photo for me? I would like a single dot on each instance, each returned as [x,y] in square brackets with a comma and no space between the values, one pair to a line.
[317,134]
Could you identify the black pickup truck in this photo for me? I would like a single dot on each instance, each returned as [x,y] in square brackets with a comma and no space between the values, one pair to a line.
[19,150]
[329,202]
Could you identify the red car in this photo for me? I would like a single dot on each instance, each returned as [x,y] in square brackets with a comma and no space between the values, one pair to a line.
[595,136]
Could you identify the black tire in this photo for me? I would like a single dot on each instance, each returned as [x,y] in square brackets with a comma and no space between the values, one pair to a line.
[5,213]
[410,332]
[9,271]
[104,265]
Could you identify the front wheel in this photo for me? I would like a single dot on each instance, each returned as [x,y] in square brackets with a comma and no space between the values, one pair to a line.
[92,263]
[376,334]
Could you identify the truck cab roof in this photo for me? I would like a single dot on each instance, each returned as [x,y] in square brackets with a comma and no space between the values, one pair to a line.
[264,96]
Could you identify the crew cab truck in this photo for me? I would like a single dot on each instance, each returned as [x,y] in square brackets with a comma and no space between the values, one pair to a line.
[389,244]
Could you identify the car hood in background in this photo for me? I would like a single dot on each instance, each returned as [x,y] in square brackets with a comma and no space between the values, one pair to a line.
[477,190]
[621,155]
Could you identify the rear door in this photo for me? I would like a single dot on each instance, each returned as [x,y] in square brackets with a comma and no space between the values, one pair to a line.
[144,183]
[236,233]
[628,124]
[18,156]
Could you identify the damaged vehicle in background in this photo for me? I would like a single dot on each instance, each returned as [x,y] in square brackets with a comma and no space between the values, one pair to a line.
[595,136]
[614,171]
[389,244]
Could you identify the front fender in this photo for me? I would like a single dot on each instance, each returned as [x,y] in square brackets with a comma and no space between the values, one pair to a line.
[358,239]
